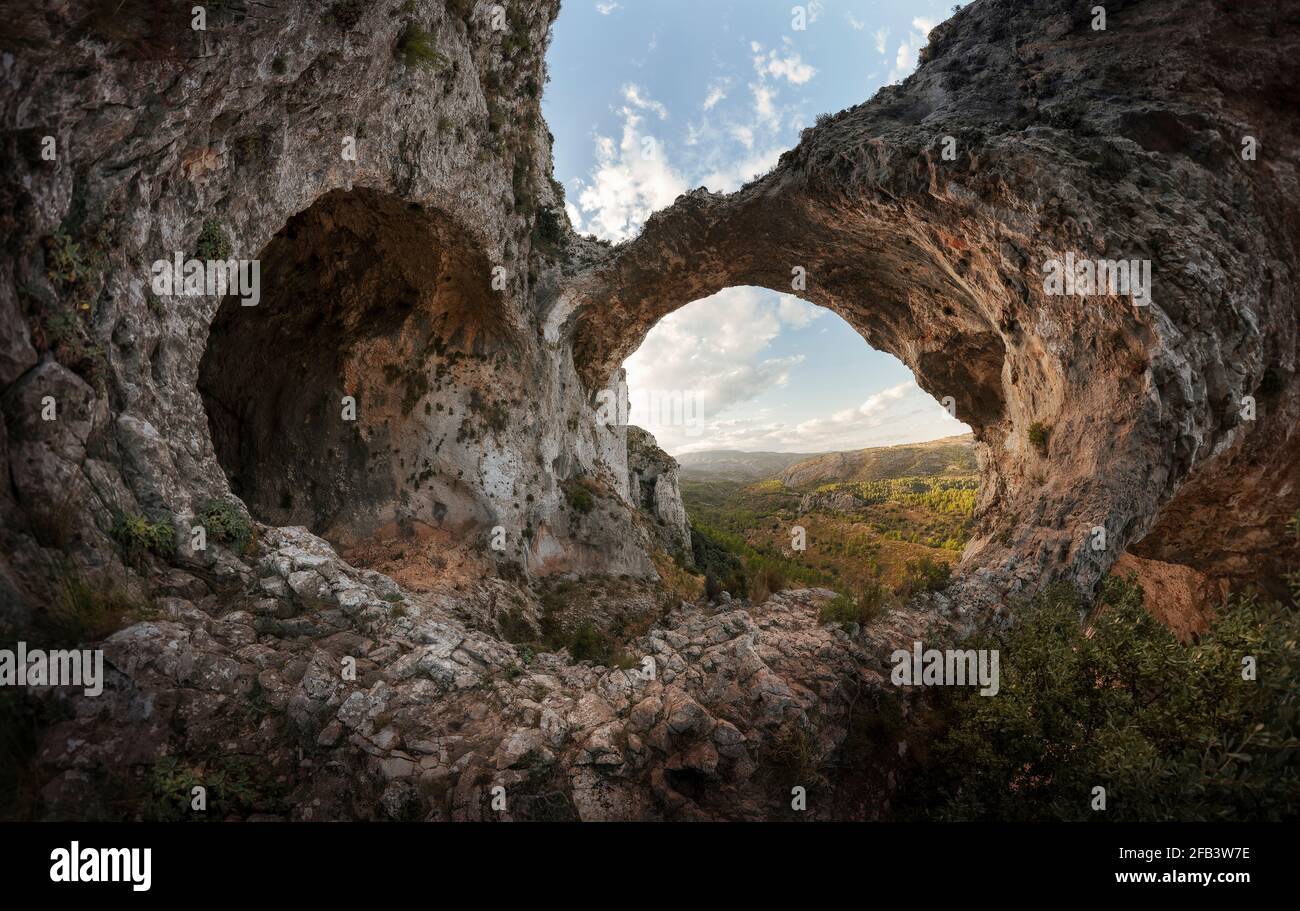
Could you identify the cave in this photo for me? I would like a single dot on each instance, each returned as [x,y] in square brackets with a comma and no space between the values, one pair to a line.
[363,296]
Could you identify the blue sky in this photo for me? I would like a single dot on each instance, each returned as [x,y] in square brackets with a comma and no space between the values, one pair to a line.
[649,98]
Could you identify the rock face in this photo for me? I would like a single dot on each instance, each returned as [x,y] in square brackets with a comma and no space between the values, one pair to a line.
[655,486]
[418,382]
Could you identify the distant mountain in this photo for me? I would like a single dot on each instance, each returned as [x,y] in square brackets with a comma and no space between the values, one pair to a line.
[735,465]
[951,456]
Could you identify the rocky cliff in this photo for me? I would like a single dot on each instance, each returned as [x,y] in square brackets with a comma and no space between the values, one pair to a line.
[401,437]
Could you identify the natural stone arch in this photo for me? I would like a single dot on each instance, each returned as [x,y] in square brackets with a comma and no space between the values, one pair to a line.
[368,296]
[939,261]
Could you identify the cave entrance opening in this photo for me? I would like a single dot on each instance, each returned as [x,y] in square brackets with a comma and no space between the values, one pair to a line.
[805,452]
[324,401]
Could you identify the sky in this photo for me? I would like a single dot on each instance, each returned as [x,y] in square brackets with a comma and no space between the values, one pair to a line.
[650,98]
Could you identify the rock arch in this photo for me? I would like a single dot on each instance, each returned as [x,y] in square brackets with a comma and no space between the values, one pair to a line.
[1090,412]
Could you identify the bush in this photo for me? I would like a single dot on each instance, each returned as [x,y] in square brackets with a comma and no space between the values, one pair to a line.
[580,498]
[924,574]
[868,604]
[1038,436]
[213,244]
[65,262]
[415,49]
[137,536]
[225,524]
[1171,730]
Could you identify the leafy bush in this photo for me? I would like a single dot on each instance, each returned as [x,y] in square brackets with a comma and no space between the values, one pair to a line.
[1171,730]
[213,244]
[924,574]
[415,49]
[137,536]
[580,498]
[1039,433]
[868,604]
[225,524]
[65,262]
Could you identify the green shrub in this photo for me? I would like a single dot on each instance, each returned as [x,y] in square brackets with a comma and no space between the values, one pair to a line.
[65,262]
[1039,433]
[213,244]
[580,498]
[868,604]
[1171,730]
[137,536]
[225,524]
[924,574]
[415,49]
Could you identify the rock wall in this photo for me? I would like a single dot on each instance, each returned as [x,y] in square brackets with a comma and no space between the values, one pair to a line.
[656,487]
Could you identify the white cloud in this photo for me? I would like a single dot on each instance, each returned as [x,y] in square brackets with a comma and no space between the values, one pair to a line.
[627,185]
[881,36]
[715,349]
[854,22]
[634,96]
[606,8]
[797,313]
[789,67]
[901,414]
[764,104]
[717,92]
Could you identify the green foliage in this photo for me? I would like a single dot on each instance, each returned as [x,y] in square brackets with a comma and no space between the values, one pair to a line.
[1171,730]
[65,261]
[1039,434]
[955,496]
[213,244]
[924,574]
[234,784]
[137,536]
[225,524]
[549,230]
[869,603]
[415,49]
[579,498]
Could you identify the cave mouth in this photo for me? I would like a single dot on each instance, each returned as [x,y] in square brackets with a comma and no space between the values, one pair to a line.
[314,396]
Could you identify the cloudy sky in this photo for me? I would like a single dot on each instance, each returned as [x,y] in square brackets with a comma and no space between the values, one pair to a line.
[719,89]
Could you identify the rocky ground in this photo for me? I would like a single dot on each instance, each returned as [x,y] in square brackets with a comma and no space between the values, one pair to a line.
[339,697]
